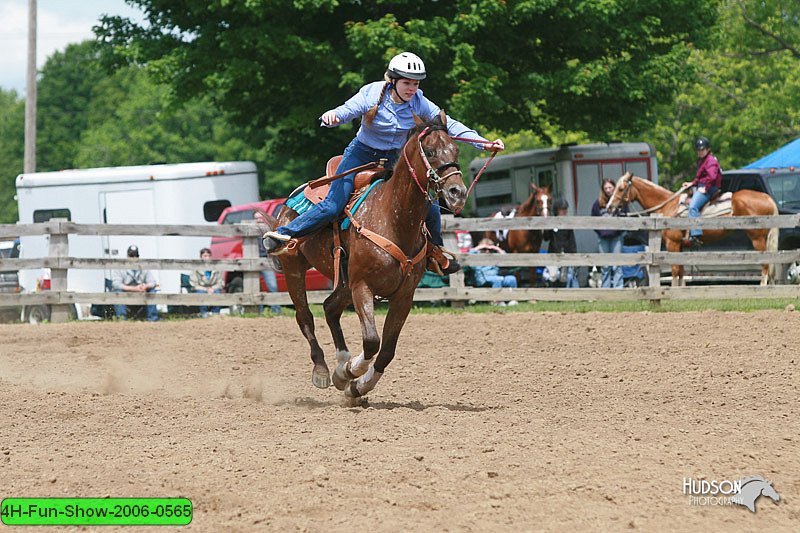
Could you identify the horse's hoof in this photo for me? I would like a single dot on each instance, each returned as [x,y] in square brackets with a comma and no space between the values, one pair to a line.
[321,378]
[351,391]
[340,377]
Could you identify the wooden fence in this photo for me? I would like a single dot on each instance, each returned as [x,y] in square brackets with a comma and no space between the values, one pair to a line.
[60,262]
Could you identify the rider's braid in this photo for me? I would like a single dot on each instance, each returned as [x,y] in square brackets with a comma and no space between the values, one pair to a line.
[369,116]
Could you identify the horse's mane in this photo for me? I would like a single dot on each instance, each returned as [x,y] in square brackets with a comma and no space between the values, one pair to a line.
[435,124]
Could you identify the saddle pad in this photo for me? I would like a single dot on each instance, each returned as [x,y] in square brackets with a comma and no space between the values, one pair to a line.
[721,206]
[346,221]
[299,203]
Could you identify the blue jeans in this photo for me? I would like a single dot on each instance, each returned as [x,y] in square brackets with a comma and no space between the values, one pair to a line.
[271,283]
[612,275]
[121,310]
[502,281]
[699,199]
[325,212]
[204,308]
[572,280]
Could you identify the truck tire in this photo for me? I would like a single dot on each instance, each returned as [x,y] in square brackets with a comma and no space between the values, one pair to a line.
[36,314]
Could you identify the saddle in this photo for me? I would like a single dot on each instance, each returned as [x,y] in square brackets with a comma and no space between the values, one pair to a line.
[719,205]
[317,193]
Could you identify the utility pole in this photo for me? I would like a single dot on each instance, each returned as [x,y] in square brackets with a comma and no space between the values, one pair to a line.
[30,98]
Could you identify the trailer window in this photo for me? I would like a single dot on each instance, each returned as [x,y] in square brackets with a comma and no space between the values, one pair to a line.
[497,175]
[43,215]
[213,209]
[494,200]
[545,179]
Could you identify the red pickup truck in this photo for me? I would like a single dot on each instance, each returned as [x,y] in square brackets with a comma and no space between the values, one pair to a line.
[231,247]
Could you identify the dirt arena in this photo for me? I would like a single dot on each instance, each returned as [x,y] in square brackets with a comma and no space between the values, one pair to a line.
[484,422]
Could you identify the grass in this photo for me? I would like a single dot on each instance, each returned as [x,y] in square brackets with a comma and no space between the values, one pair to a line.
[666,306]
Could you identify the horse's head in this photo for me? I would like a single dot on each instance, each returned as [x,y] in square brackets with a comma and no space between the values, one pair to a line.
[624,193]
[439,154]
[543,200]
[538,204]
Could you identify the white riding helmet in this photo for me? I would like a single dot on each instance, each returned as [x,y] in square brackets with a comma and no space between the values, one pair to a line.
[406,65]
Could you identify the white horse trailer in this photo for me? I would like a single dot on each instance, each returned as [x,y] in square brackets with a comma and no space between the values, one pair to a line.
[573,172]
[185,193]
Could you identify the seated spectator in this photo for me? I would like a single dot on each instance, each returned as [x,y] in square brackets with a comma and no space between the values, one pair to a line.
[134,280]
[206,281]
[490,275]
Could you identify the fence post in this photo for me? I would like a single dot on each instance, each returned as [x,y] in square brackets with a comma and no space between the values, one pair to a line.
[58,250]
[251,282]
[457,278]
[653,268]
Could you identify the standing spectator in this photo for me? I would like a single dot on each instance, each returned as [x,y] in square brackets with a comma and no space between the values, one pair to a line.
[610,240]
[206,281]
[490,274]
[563,241]
[134,280]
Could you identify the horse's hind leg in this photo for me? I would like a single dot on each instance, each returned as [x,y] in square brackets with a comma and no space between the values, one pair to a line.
[399,307]
[296,284]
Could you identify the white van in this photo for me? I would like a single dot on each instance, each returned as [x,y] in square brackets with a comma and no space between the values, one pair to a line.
[185,193]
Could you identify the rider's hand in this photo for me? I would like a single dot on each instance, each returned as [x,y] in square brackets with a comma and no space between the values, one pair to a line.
[329,118]
[496,146]
[686,184]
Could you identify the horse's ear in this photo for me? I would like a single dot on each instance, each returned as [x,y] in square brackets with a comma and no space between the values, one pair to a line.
[534,187]
[417,120]
[443,118]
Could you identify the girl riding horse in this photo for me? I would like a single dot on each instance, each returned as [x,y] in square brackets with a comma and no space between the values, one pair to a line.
[387,110]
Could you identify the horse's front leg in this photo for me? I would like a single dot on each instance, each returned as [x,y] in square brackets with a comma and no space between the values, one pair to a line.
[346,373]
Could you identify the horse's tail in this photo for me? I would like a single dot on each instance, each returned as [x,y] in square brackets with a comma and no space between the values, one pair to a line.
[268,219]
[772,243]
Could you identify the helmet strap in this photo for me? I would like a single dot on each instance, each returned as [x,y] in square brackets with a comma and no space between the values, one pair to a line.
[394,88]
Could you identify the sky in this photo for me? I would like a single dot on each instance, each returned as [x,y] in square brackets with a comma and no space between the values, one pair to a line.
[59,23]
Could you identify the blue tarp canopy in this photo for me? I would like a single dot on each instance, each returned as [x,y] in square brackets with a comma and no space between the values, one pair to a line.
[785,156]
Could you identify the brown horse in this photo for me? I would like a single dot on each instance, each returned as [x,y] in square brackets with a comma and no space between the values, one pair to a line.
[538,204]
[743,203]
[519,241]
[395,210]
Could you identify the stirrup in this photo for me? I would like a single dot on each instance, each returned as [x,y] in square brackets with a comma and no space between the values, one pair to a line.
[275,243]
[438,261]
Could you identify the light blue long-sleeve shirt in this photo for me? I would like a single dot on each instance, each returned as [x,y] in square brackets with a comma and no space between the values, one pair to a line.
[392,122]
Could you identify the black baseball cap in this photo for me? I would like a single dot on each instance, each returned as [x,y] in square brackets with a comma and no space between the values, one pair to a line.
[133,251]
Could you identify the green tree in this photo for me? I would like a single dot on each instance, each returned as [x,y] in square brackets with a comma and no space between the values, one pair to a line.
[65,89]
[507,65]
[744,93]
[12,129]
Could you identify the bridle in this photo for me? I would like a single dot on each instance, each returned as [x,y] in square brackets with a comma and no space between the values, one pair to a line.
[435,180]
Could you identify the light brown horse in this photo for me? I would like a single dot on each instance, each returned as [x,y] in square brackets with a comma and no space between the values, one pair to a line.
[395,209]
[745,202]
